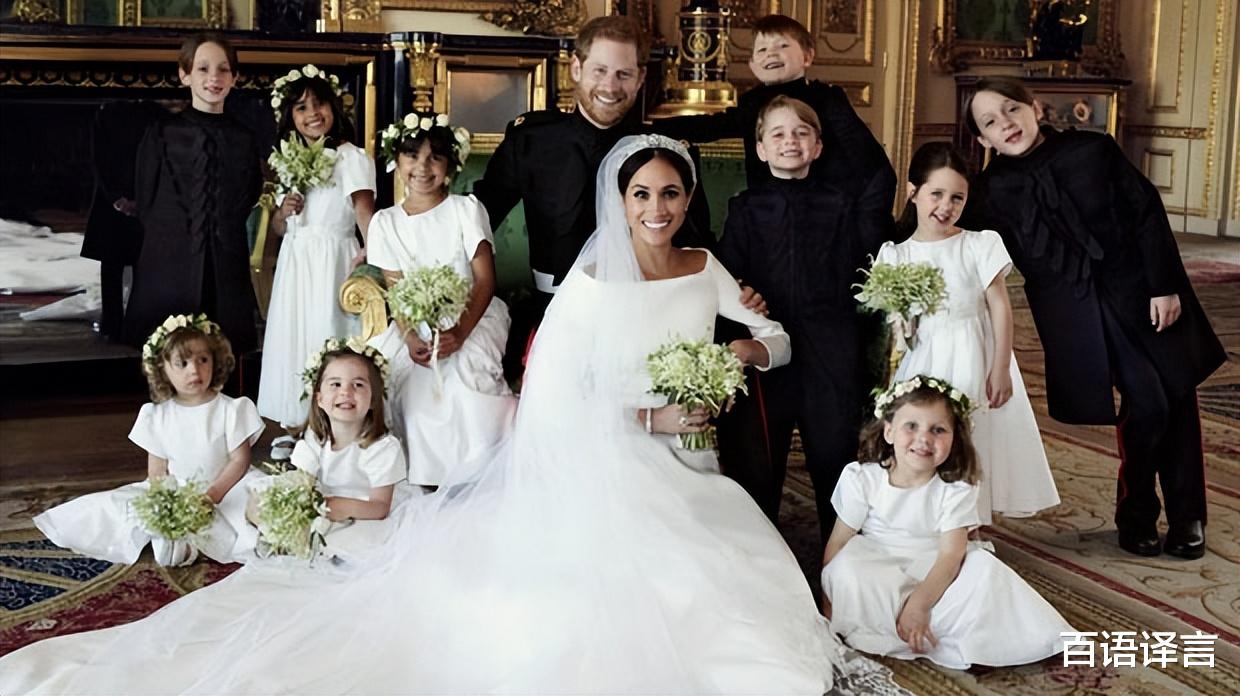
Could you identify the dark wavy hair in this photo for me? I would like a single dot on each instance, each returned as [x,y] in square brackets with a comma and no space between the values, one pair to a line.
[175,345]
[961,463]
[443,144]
[342,124]
[928,159]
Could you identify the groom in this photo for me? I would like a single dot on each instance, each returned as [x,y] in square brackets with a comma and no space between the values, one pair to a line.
[549,159]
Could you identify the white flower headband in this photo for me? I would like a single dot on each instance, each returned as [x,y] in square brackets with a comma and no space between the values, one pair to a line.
[411,127]
[154,345]
[959,400]
[279,89]
[314,364]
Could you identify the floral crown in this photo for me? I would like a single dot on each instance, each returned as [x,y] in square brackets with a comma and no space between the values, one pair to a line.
[280,88]
[959,400]
[411,126]
[154,345]
[314,365]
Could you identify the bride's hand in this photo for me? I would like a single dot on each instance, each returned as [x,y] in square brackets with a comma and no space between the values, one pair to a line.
[674,418]
[419,350]
[750,351]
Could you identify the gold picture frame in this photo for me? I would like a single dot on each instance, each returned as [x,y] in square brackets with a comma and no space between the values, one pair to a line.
[950,53]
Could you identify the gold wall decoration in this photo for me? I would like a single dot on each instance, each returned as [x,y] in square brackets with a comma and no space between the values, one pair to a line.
[565,88]
[545,17]
[949,52]
[841,16]
[36,11]
[745,12]
[425,67]
[213,14]
[1148,131]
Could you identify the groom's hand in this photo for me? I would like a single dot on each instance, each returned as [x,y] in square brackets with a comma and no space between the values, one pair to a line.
[751,299]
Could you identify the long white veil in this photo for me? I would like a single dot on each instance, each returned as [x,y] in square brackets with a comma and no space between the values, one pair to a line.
[579,557]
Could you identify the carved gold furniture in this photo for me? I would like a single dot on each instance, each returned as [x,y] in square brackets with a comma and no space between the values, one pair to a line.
[364,293]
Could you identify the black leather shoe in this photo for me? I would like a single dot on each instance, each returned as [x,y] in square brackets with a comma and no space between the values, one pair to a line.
[1187,540]
[1140,540]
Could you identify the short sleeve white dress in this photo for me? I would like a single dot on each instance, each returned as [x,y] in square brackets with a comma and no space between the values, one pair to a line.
[196,441]
[473,411]
[314,260]
[987,616]
[352,472]
[956,343]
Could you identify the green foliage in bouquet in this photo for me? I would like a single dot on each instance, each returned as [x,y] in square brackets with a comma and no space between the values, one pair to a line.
[300,167]
[907,289]
[429,299]
[904,292]
[173,511]
[696,374]
[291,516]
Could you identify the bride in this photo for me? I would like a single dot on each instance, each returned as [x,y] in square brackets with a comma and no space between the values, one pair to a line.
[586,555]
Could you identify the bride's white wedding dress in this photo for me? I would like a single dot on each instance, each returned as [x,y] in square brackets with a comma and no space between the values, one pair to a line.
[581,557]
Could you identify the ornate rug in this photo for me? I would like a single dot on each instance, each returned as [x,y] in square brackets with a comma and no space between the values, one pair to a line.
[46,591]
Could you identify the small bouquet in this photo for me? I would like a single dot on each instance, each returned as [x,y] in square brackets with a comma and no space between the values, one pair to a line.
[904,292]
[300,167]
[292,516]
[696,374]
[173,511]
[429,300]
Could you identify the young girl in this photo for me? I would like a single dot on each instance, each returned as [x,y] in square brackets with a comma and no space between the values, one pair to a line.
[192,432]
[968,342]
[196,179]
[1111,301]
[899,576]
[346,445]
[430,227]
[319,245]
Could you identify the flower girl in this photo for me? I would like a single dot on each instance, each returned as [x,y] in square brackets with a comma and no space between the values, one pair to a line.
[900,578]
[968,340]
[319,243]
[191,432]
[463,405]
[347,447]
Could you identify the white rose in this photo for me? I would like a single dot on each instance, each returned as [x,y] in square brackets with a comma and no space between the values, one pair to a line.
[425,123]
[391,167]
[293,75]
[310,71]
[169,324]
[441,120]
[275,102]
[956,395]
[462,135]
[411,121]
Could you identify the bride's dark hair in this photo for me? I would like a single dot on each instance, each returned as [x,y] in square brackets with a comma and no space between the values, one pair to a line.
[642,157]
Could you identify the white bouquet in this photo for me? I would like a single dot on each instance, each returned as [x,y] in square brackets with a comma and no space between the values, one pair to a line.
[696,374]
[173,511]
[292,516]
[904,292]
[300,167]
